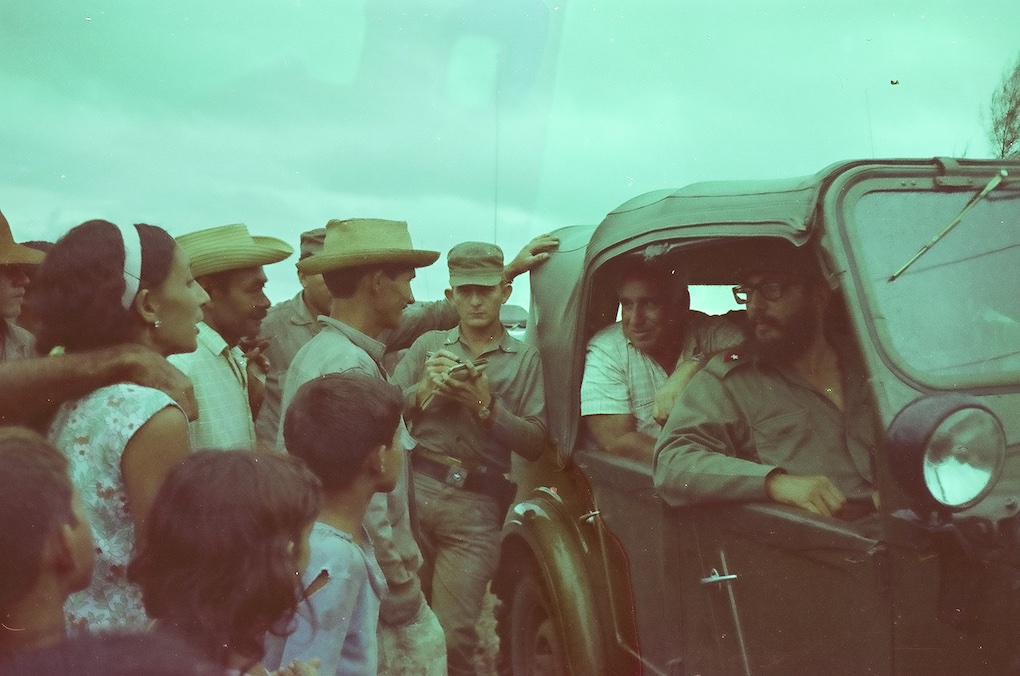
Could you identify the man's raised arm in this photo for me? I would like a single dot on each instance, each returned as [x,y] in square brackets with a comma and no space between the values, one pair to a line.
[31,389]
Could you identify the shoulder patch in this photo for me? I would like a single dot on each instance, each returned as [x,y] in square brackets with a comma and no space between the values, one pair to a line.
[726,361]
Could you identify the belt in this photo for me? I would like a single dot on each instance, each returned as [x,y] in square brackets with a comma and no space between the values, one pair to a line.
[480,480]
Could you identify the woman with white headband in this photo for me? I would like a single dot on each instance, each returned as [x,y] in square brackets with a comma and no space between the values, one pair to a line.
[104,285]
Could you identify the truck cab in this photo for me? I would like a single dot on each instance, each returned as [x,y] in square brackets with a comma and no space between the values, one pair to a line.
[599,576]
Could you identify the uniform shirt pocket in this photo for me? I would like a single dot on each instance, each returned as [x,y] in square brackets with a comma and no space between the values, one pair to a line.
[777,439]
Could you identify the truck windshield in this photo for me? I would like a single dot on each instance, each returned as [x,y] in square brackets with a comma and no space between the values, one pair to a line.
[952,319]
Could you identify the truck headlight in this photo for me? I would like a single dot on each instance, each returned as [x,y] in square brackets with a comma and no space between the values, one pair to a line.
[946,451]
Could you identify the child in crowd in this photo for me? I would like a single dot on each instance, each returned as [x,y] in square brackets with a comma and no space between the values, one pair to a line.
[344,426]
[46,549]
[226,541]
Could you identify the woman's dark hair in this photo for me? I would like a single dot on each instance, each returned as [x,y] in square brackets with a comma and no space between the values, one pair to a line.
[35,500]
[218,563]
[336,419]
[77,290]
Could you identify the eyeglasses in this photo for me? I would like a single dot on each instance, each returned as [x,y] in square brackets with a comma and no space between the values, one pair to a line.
[772,291]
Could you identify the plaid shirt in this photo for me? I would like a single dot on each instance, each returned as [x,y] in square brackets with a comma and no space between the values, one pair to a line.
[621,379]
[219,374]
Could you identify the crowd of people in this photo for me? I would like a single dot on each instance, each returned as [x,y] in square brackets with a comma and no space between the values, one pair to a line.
[195,467]
[318,486]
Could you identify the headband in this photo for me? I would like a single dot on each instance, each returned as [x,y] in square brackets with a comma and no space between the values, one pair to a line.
[132,263]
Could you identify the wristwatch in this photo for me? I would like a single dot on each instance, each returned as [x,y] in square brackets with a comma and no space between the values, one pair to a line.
[484,412]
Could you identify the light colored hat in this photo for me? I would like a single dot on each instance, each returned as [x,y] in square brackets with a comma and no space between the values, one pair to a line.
[15,254]
[230,247]
[366,241]
[478,263]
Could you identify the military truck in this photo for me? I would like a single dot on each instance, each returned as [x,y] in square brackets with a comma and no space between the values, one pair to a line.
[599,576]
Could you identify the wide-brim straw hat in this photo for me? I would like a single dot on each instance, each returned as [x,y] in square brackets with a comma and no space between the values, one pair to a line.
[230,247]
[12,253]
[366,241]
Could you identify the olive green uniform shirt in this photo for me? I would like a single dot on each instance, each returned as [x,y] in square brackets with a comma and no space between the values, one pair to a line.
[742,417]
[517,423]
[289,325]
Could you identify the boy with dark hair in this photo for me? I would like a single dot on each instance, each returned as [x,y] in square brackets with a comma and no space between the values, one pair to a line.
[46,549]
[345,426]
[410,637]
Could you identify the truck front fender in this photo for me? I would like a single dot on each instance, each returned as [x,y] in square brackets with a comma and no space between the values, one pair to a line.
[540,538]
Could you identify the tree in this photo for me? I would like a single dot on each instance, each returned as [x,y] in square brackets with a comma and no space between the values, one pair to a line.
[1005,109]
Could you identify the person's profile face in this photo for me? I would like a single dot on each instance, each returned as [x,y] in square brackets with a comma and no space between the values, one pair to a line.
[237,310]
[13,281]
[178,305]
[316,294]
[395,295]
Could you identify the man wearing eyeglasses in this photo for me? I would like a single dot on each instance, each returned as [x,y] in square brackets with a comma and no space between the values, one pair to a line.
[784,418]
[640,364]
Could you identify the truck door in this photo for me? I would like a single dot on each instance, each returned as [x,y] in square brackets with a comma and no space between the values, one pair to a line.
[783,592]
[633,522]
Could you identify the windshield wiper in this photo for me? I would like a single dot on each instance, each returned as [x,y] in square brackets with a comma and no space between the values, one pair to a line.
[992,185]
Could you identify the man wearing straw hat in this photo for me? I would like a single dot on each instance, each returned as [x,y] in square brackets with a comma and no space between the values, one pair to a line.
[227,261]
[293,322]
[15,342]
[367,265]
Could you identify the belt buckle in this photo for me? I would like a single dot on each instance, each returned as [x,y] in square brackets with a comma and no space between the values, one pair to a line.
[456,476]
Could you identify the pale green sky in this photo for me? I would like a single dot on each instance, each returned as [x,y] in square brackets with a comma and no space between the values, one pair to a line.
[467,118]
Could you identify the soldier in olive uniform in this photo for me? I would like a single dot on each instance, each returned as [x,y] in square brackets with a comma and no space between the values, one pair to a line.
[786,417]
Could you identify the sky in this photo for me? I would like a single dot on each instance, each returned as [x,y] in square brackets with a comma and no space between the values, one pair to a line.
[491,120]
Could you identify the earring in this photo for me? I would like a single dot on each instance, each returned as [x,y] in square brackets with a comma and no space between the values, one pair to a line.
[157,324]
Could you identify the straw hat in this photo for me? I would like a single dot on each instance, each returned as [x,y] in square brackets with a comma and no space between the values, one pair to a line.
[230,247]
[15,254]
[366,241]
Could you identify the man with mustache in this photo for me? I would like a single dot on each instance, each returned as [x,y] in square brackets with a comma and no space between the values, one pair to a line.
[785,417]
[227,261]
[635,368]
